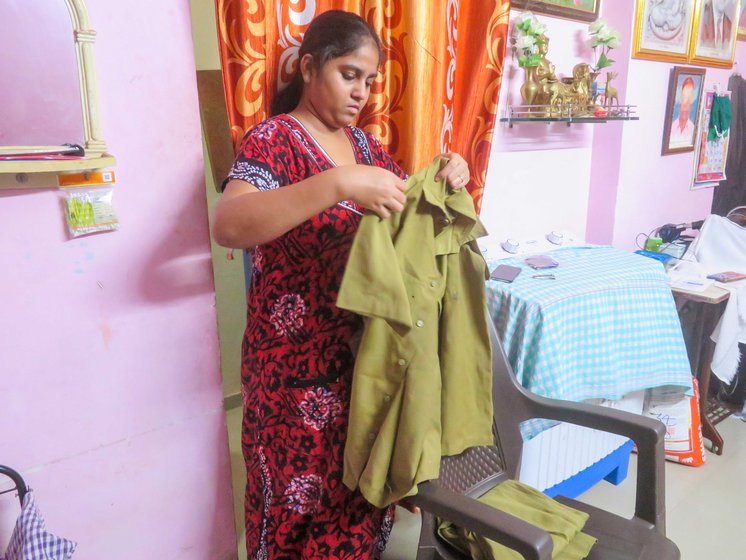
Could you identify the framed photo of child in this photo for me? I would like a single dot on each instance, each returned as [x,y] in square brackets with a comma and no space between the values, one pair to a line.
[682,110]
[663,29]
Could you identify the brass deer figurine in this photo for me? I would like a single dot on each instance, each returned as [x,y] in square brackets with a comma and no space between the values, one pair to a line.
[612,93]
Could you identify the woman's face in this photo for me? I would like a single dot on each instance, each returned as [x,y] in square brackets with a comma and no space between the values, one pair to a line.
[339,89]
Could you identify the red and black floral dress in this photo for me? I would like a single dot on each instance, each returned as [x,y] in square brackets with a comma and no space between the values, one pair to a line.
[297,364]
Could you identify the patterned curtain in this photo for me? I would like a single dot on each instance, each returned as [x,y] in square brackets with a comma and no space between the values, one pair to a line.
[439,84]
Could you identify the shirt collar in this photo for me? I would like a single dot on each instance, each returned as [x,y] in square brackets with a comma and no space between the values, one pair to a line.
[456,222]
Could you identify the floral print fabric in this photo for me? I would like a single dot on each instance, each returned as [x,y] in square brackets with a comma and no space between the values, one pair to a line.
[297,364]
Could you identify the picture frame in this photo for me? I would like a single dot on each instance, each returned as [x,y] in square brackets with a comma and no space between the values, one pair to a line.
[710,156]
[582,10]
[662,34]
[685,87]
[714,32]
[741,33]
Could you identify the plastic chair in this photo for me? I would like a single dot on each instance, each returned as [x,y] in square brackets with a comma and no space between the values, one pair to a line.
[467,476]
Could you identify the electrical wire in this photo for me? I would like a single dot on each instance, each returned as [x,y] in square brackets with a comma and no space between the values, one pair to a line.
[647,236]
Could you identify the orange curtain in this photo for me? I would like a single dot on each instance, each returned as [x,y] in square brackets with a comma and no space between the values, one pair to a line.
[439,84]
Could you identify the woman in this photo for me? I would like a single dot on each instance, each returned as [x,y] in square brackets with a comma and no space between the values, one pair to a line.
[295,195]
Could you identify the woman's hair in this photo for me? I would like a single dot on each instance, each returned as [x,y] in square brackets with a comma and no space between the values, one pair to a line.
[331,34]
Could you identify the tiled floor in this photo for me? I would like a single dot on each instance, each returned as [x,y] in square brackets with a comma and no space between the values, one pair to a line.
[705,505]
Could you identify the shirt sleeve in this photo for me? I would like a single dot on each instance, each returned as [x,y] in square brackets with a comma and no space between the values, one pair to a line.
[381,157]
[257,161]
[373,285]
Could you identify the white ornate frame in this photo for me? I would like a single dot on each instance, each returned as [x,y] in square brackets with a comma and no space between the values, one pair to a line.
[84,39]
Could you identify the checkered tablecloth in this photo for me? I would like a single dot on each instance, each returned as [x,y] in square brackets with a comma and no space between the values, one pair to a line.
[606,326]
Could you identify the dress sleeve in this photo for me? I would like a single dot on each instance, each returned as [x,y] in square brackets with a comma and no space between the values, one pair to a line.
[257,160]
[381,158]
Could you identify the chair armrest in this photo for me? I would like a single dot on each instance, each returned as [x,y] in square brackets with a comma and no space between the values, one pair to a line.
[641,429]
[647,433]
[528,540]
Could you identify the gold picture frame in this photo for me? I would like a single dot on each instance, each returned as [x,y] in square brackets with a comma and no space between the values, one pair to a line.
[584,10]
[741,33]
[713,41]
[661,34]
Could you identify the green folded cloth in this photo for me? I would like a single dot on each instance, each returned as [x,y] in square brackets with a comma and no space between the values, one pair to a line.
[563,524]
[720,117]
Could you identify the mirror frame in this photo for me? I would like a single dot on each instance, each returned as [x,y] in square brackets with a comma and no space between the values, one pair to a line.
[33,173]
[84,39]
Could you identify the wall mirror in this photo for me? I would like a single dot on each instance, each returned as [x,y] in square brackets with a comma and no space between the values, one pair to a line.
[48,72]
[38,77]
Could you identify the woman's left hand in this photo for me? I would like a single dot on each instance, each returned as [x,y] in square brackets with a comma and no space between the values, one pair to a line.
[455,172]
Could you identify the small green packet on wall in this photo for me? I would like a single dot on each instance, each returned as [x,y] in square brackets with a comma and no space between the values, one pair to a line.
[90,211]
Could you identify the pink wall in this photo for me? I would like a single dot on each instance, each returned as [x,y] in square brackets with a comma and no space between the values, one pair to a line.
[654,189]
[110,383]
[635,189]
[607,182]
[538,176]
[607,138]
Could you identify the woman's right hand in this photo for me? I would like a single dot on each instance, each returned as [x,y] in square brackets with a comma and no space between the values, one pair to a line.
[373,188]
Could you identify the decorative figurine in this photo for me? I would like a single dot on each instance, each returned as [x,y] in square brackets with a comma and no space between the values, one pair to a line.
[611,94]
[547,95]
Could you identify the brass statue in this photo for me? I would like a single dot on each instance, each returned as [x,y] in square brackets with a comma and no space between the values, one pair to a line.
[570,96]
[565,97]
[544,72]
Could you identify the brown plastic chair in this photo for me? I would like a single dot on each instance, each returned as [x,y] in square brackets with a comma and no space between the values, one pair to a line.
[467,476]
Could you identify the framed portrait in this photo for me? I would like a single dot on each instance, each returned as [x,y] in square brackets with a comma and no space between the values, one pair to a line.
[663,29]
[583,10]
[682,110]
[714,35]
[741,33]
[711,154]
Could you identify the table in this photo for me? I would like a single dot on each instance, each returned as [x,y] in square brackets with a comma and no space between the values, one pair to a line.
[708,307]
[606,326]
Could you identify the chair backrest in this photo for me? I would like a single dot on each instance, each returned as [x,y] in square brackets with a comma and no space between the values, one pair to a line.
[479,468]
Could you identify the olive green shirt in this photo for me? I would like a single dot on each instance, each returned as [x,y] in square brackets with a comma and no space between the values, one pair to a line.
[422,385]
[562,522]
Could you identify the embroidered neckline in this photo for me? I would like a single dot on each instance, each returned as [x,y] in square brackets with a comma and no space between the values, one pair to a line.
[306,135]
[319,147]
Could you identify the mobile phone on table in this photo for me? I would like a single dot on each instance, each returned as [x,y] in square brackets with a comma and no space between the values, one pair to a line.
[541,261]
[728,276]
[505,273]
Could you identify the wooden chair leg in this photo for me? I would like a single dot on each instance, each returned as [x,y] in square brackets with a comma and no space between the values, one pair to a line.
[709,320]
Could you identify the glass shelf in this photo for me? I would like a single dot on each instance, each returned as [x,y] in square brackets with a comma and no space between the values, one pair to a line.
[568,115]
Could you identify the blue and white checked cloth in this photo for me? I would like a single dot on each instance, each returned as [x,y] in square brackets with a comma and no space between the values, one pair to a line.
[606,326]
[31,540]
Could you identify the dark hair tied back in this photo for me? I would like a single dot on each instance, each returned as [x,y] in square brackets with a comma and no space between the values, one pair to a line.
[330,35]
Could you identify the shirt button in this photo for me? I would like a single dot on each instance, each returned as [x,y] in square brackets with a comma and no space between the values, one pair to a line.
[386,398]
[434,283]
[402,362]
[420,323]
